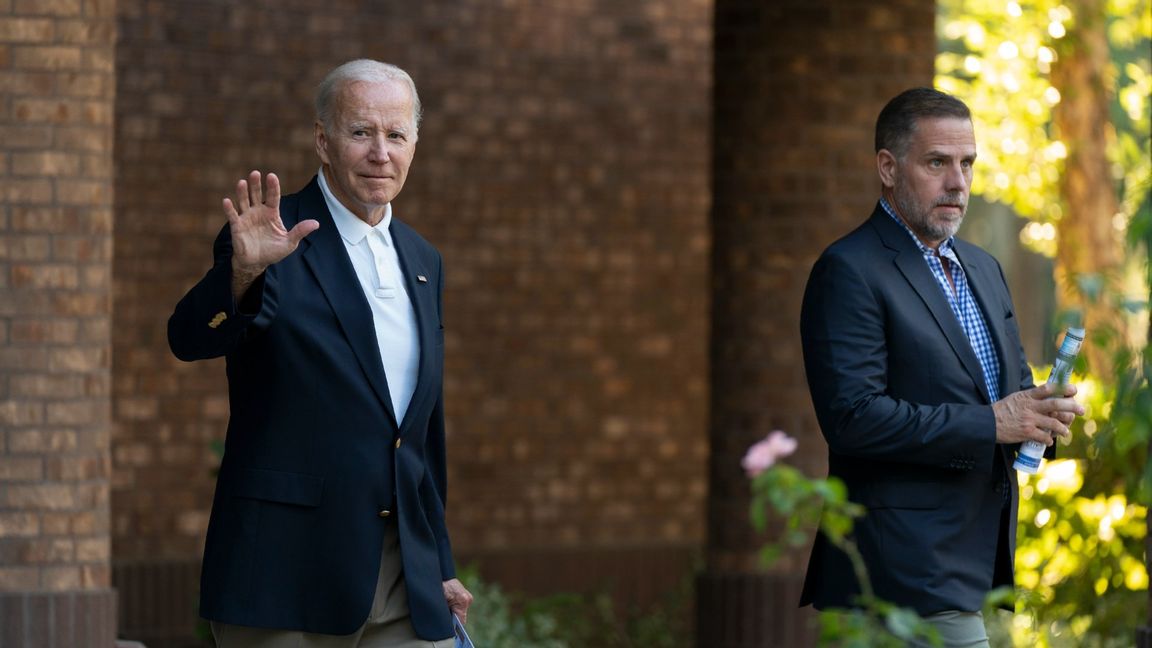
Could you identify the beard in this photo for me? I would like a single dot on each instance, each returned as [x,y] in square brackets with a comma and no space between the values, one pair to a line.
[920,219]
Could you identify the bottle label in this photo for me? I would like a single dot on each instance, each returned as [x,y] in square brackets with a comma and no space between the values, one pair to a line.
[1026,463]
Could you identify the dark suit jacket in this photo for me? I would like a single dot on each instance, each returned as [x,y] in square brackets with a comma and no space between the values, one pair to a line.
[902,403]
[313,451]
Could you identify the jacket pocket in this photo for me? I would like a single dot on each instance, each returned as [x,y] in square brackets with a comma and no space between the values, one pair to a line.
[276,486]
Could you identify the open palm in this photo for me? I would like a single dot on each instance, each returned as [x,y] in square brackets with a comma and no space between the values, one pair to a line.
[259,238]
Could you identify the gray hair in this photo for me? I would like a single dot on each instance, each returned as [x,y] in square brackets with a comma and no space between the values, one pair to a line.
[361,70]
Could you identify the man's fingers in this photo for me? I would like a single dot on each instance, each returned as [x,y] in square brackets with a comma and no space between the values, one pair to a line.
[1056,428]
[302,229]
[1053,405]
[230,210]
[273,198]
[242,200]
[255,188]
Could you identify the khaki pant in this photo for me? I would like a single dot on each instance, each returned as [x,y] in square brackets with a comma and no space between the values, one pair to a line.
[387,625]
[960,629]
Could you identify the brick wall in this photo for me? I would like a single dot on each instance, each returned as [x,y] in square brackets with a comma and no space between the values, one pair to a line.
[798,86]
[56,97]
[563,172]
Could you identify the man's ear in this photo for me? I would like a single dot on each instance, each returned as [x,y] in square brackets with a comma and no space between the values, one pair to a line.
[886,167]
[321,142]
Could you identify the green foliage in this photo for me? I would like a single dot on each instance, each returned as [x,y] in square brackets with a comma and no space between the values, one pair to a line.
[998,56]
[498,620]
[803,503]
[493,623]
[1083,520]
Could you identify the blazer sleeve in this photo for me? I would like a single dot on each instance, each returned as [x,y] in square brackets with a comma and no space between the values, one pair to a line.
[850,348]
[207,321]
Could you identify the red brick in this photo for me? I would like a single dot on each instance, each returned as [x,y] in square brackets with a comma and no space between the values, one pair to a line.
[26,192]
[40,386]
[95,329]
[136,408]
[85,523]
[19,524]
[76,412]
[32,57]
[102,8]
[80,304]
[42,550]
[97,166]
[82,249]
[97,576]
[96,278]
[101,60]
[83,192]
[25,137]
[16,469]
[46,163]
[29,30]
[18,413]
[93,550]
[65,220]
[59,579]
[48,111]
[39,496]
[48,7]
[83,138]
[56,524]
[77,360]
[84,467]
[44,276]
[40,440]
[17,579]
[25,248]
[85,32]
[44,331]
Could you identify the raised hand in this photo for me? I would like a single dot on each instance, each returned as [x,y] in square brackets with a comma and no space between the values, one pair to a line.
[259,238]
[1034,415]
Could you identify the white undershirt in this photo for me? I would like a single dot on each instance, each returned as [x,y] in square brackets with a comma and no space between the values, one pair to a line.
[378,269]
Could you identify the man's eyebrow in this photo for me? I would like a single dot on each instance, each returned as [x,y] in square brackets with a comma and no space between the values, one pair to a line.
[936,153]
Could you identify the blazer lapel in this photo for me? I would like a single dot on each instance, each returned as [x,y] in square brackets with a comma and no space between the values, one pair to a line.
[328,260]
[422,294]
[910,262]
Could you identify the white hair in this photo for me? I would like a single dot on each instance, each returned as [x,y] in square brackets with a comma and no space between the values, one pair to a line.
[361,70]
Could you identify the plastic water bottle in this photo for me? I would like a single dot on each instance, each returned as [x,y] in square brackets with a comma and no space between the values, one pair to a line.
[1032,452]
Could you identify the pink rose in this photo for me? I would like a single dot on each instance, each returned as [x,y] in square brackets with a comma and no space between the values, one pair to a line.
[764,453]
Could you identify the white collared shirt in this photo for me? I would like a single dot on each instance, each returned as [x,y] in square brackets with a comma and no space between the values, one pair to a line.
[377,267]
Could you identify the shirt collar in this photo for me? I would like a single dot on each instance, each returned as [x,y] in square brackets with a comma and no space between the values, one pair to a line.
[352,229]
[945,247]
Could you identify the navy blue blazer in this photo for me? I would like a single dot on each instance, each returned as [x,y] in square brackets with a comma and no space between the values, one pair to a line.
[314,455]
[901,400]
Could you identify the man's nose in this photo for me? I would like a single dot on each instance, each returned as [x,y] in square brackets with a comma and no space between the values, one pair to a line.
[957,177]
[378,151]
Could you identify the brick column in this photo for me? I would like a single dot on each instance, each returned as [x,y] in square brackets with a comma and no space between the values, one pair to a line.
[56,95]
[798,87]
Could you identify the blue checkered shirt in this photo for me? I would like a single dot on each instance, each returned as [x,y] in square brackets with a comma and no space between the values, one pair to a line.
[962,302]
